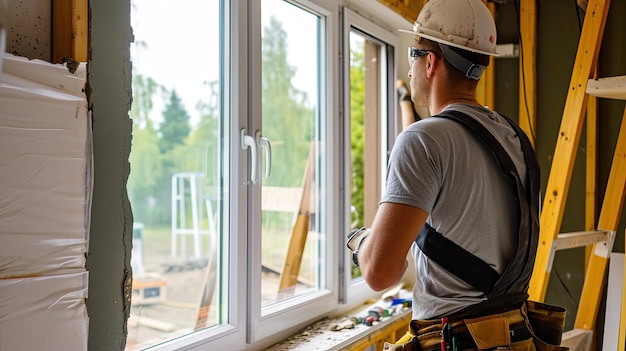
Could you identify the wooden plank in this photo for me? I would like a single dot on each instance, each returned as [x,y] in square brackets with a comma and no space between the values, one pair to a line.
[567,142]
[407,9]
[70,30]
[591,169]
[485,90]
[299,233]
[609,220]
[527,79]
[282,199]
[614,195]
[208,288]
[622,320]
[490,78]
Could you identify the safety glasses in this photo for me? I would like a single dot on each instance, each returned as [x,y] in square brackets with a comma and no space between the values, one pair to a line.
[414,53]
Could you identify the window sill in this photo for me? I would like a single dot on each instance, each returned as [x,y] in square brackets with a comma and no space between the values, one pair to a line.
[321,336]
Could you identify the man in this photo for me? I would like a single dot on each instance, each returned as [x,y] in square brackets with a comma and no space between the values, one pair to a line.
[441,175]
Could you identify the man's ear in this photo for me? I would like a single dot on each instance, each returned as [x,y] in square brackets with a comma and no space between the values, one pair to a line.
[430,66]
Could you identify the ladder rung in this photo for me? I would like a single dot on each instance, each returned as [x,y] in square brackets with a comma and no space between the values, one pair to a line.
[579,239]
[609,87]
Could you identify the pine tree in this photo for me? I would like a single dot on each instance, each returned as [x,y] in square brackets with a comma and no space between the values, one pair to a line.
[287,118]
[176,124]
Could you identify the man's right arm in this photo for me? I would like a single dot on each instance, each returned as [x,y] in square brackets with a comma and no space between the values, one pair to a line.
[382,257]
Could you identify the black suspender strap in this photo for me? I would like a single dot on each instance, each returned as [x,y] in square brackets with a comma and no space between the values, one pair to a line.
[456,259]
[467,266]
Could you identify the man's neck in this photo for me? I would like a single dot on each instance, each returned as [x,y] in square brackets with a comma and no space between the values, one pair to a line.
[438,106]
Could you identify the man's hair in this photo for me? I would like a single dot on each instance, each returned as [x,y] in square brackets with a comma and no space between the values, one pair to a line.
[455,73]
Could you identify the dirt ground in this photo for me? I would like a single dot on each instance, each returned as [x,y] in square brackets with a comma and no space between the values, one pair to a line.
[174,312]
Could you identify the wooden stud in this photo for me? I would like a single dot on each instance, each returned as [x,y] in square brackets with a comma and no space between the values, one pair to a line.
[485,91]
[591,168]
[622,320]
[70,30]
[408,9]
[527,69]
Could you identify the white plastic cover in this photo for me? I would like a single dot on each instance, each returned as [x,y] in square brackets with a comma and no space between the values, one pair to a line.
[45,200]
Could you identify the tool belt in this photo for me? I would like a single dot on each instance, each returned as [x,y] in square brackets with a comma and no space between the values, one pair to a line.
[517,329]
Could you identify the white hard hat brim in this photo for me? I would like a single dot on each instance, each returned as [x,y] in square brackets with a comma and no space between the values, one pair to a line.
[447,42]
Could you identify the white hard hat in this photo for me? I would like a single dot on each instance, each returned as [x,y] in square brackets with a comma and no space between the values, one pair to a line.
[465,24]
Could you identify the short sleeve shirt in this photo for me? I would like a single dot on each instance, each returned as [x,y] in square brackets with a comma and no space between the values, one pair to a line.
[437,165]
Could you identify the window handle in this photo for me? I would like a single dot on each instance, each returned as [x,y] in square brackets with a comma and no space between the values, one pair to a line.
[264,143]
[248,141]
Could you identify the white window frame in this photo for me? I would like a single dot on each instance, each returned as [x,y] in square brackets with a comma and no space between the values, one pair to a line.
[356,290]
[287,317]
[231,334]
[249,326]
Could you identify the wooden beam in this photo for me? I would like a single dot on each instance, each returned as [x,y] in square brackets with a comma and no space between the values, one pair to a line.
[591,162]
[485,90]
[407,8]
[70,30]
[527,69]
[621,343]
[299,232]
[567,142]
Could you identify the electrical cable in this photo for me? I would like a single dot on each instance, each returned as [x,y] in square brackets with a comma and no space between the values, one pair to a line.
[580,25]
[517,10]
[567,290]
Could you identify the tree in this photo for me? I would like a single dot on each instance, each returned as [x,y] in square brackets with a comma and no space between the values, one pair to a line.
[288,120]
[357,132]
[357,128]
[146,166]
[204,143]
[176,124]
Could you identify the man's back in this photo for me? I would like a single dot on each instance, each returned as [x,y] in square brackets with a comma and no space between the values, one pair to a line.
[440,167]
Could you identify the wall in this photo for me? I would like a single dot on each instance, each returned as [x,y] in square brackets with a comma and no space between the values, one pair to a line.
[108,259]
[110,245]
[558,32]
[29,29]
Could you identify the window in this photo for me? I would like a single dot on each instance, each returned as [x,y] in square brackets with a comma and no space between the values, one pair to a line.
[179,177]
[372,116]
[237,174]
[293,267]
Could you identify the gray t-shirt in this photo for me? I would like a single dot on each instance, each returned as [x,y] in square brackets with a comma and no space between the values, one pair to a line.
[437,165]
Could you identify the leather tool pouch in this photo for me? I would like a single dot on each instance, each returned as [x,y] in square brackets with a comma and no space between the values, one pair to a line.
[489,332]
[547,323]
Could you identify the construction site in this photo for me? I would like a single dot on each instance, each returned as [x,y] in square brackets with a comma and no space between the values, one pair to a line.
[191,175]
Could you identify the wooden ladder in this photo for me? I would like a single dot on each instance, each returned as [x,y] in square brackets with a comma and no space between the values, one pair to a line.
[582,85]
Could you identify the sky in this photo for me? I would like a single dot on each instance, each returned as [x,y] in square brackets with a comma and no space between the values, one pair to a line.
[182,42]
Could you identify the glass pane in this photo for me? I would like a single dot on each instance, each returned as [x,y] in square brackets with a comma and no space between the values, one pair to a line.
[291,216]
[366,89]
[176,184]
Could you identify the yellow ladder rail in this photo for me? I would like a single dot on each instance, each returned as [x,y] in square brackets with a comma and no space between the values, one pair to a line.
[567,142]
[609,220]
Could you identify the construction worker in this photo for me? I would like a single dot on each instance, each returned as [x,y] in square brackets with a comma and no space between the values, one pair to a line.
[444,182]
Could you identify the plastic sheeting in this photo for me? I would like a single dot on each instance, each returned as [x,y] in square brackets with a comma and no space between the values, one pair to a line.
[45,197]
